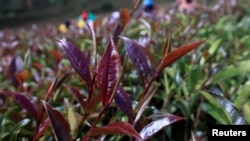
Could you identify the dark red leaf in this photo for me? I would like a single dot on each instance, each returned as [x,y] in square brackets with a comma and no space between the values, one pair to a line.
[123,100]
[51,89]
[60,125]
[118,127]
[24,102]
[91,106]
[157,125]
[109,71]
[77,59]
[79,97]
[60,82]
[42,128]
[174,55]
[138,57]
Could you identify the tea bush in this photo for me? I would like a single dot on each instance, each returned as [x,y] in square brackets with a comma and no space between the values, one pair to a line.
[142,76]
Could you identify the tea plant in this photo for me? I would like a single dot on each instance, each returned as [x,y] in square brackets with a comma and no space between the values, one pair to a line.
[141,79]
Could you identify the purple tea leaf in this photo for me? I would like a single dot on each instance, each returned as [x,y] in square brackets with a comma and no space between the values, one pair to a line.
[77,59]
[157,125]
[77,95]
[123,101]
[24,102]
[60,125]
[138,57]
[108,72]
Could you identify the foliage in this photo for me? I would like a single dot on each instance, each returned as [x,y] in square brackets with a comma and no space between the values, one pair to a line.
[165,76]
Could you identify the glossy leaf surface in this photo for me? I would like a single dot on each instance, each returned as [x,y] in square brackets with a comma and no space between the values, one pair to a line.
[155,126]
[138,57]
[77,59]
[223,109]
[109,71]
[216,110]
[123,100]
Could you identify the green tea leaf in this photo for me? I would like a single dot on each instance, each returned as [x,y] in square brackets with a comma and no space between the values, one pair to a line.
[194,77]
[216,110]
[215,45]
[16,129]
[224,108]
[243,95]
[233,70]
[72,121]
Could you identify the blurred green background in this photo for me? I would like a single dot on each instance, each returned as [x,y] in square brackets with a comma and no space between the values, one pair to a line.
[14,13]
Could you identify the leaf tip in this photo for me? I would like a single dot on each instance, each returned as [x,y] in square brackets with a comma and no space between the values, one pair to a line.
[61,42]
[44,103]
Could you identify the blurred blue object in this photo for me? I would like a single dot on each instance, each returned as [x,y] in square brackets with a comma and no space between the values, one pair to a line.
[148,5]
[91,16]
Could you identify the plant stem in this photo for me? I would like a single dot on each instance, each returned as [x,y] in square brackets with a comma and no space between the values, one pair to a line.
[99,116]
[34,138]
[96,120]
[145,90]
[148,85]
[82,121]
[91,88]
